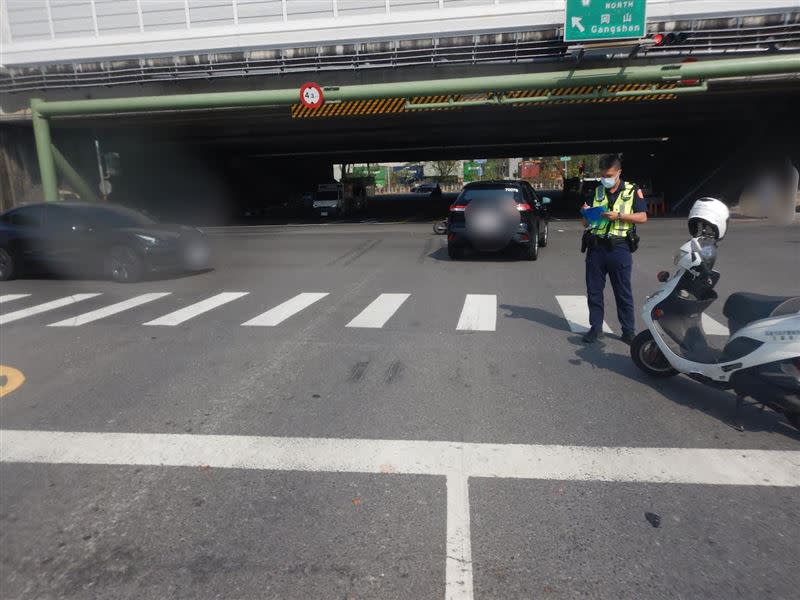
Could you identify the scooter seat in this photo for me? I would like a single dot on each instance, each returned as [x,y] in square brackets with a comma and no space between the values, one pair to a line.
[743,308]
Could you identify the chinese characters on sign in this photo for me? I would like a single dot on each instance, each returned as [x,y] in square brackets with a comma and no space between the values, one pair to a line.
[588,20]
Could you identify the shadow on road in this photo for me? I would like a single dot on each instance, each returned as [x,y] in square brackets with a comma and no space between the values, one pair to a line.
[535,315]
[471,256]
[718,404]
[33,275]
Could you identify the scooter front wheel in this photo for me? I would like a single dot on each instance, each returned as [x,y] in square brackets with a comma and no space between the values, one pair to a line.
[648,356]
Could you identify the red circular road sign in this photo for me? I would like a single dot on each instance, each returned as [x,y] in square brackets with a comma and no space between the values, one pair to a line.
[311,95]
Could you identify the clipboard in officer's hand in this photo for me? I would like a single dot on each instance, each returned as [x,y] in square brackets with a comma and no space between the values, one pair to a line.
[594,215]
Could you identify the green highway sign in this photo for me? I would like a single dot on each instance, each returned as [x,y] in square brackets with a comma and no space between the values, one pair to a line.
[589,20]
[566,158]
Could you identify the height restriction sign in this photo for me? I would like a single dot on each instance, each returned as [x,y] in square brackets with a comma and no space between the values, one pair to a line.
[311,95]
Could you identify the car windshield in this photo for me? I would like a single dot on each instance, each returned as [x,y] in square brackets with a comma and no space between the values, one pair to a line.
[117,217]
[490,193]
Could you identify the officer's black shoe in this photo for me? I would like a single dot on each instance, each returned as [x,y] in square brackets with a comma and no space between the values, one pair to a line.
[627,337]
[591,336]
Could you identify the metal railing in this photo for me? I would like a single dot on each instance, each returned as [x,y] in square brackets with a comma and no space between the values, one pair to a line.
[773,34]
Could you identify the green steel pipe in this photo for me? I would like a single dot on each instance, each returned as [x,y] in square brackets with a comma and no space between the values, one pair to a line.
[505,100]
[83,189]
[47,167]
[734,67]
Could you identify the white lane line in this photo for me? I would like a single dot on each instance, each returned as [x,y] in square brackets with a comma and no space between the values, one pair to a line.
[10,297]
[576,312]
[479,313]
[40,308]
[379,311]
[107,311]
[198,308]
[458,566]
[713,327]
[277,315]
[454,460]
[709,466]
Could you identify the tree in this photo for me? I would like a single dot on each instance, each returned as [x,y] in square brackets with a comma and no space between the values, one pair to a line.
[551,169]
[494,169]
[445,168]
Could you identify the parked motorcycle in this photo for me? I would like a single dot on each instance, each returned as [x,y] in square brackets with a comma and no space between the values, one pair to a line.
[760,359]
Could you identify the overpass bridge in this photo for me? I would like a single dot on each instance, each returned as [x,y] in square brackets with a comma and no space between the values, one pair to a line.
[405,79]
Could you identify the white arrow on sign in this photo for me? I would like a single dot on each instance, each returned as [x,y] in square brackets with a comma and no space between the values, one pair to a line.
[576,22]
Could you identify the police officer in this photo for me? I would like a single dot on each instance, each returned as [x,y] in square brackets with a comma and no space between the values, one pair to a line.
[610,245]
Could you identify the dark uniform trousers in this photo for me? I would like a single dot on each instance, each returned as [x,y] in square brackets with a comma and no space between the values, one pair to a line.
[616,261]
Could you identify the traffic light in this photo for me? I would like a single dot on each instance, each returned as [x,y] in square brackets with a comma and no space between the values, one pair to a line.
[670,39]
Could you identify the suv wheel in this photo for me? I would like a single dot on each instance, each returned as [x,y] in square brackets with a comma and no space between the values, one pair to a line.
[543,234]
[455,252]
[531,251]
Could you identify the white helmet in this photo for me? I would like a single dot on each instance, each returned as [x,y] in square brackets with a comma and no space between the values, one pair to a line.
[708,213]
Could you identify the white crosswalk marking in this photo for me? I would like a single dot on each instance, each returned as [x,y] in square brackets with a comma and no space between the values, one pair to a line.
[277,315]
[184,314]
[10,297]
[379,311]
[40,308]
[576,312]
[107,311]
[479,313]
[713,327]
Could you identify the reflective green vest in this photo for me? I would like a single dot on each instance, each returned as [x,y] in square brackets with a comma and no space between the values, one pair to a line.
[623,204]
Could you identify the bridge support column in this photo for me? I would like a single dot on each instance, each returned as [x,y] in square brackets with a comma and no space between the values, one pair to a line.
[84,189]
[44,153]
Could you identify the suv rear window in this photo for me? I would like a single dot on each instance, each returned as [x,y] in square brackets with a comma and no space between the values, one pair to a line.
[498,192]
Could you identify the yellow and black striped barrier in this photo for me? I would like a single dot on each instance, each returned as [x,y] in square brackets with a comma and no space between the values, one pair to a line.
[567,95]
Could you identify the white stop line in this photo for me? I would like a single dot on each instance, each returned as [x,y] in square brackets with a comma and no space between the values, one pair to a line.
[455,461]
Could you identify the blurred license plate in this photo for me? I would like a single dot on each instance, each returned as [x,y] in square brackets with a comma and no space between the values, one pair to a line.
[324,213]
[486,222]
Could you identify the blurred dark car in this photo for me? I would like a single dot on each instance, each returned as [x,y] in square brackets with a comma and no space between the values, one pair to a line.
[73,237]
[491,216]
[432,189]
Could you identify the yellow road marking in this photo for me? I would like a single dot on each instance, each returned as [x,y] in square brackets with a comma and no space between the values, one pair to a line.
[13,379]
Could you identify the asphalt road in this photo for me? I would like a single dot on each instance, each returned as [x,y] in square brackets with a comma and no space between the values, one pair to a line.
[456,440]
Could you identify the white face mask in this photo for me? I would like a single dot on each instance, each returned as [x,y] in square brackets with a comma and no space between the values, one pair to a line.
[608,182]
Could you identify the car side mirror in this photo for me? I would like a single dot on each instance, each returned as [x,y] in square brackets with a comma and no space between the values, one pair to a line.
[546,200]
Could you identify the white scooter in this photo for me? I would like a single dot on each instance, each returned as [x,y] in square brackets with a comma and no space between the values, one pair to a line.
[760,359]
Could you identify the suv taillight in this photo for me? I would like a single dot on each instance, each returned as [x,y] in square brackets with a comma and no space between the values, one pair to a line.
[458,208]
[523,207]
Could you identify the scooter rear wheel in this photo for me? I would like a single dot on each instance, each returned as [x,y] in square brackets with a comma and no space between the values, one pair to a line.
[648,356]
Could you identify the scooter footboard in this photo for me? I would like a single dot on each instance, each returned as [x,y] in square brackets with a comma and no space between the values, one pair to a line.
[681,321]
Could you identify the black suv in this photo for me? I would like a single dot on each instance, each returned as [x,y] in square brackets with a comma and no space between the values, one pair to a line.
[490,216]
